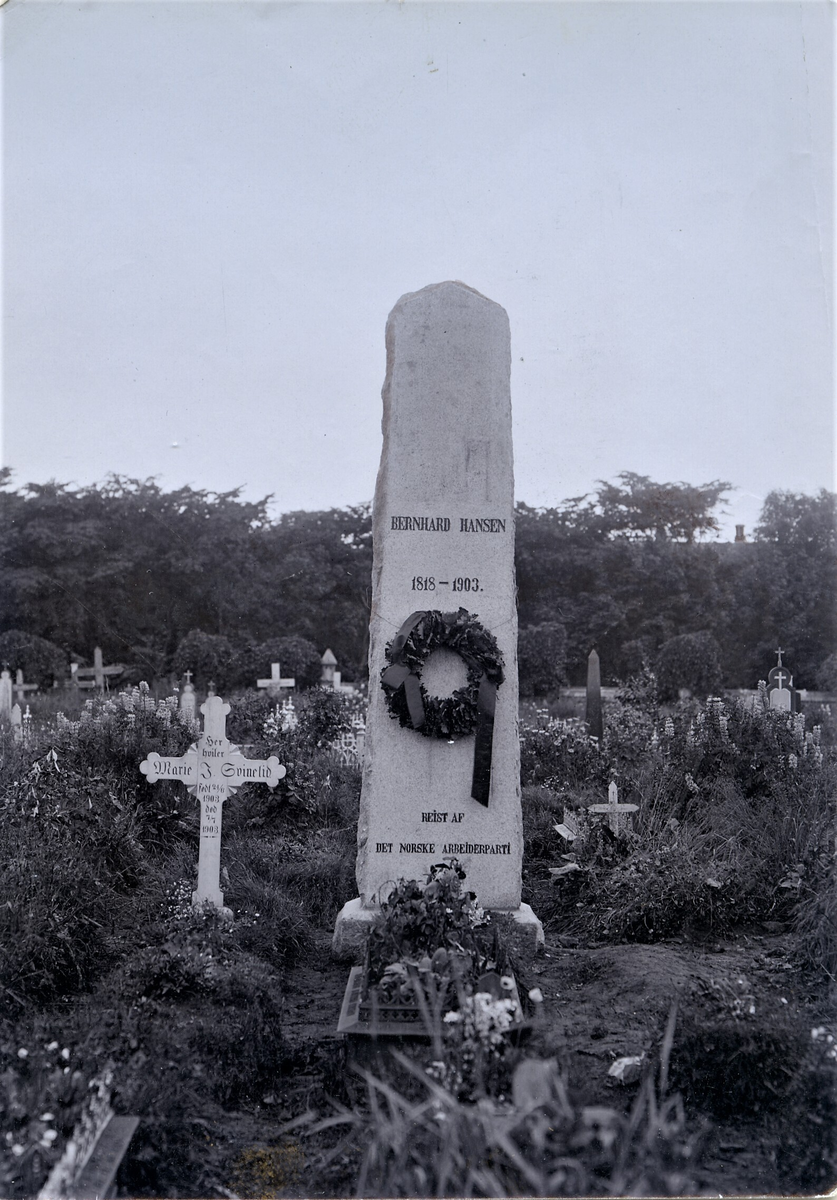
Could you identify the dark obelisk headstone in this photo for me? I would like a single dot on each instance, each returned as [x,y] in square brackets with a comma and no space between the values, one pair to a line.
[443,537]
[594,717]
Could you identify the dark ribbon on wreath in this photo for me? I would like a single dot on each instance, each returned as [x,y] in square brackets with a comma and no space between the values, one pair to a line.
[398,674]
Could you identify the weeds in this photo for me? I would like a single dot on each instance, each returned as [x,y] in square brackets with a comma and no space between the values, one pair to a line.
[735,824]
[535,1143]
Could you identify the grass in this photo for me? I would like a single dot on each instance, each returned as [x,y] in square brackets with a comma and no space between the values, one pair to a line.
[101,952]
[422,1141]
[735,826]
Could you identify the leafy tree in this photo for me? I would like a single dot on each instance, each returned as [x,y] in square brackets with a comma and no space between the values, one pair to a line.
[541,658]
[297,657]
[784,591]
[40,661]
[692,661]
[667,511]
[826,676]
[209,657]
[619,566]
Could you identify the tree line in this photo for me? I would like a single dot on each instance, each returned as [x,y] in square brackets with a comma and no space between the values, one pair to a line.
[628,569]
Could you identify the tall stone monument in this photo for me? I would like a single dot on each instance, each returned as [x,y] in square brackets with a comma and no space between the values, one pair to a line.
[443,525]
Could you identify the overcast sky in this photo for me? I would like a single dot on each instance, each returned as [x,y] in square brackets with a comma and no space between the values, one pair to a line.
[210,209]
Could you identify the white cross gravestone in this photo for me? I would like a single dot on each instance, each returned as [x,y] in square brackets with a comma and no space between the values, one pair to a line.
[618,815]
[780,689]
[97,675]
[212,769]
[443,526]
[276,682]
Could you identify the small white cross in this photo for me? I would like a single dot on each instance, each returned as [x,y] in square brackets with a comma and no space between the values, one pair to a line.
[613,809]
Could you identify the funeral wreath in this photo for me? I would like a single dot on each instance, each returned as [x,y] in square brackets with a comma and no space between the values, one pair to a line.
[407,699]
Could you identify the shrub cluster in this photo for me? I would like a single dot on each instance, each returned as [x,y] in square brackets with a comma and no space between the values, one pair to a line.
[95,911]
[735,821]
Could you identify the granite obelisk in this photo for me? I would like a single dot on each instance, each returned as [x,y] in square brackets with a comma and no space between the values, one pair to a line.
[443,527]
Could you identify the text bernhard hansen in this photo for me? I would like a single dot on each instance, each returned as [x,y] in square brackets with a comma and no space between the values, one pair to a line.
[442,524]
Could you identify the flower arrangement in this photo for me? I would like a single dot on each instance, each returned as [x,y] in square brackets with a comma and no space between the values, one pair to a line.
[435,961]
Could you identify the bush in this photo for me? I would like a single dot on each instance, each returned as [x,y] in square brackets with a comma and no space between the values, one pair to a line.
[691,661]
[205,1011]
[41,662]
[815,918]
[826,677]
[297,657]
[315,876]
[559,754]
[737,1061]
[734,825]
[210,658]
[542,658]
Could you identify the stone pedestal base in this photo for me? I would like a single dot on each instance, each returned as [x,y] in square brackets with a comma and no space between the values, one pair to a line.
[526,934]
[351,930]
[354,922]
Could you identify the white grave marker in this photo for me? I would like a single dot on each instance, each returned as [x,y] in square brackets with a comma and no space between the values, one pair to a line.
[276,682]
[212,769]
[329,663]
[614,811]
[5,694]
[97,675]
[780,689]
[187,698]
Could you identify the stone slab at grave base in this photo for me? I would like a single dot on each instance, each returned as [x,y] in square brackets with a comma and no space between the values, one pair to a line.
[354,923]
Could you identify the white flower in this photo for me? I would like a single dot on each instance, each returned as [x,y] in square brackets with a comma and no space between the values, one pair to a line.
[536,995]
[65,1053]
[17,1150]
[23,1053]
[49,1136]
[507,983]
[452,1018]
[47,1117]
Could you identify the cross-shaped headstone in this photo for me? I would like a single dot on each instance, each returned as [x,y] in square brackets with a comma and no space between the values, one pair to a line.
[20,688]
[212,769]
[276,682]
[99,672]
[613,810]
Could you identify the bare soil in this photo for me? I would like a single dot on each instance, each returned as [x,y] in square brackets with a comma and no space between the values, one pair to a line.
[601,1002]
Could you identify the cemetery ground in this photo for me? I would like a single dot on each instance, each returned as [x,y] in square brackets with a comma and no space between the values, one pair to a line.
[700,942]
